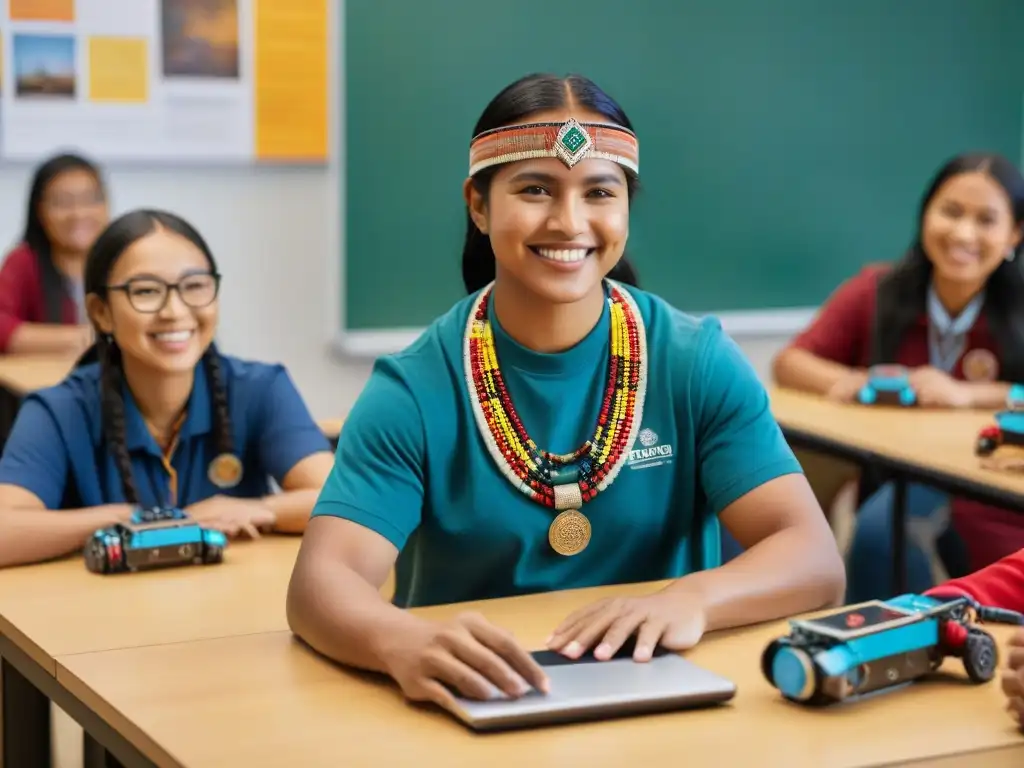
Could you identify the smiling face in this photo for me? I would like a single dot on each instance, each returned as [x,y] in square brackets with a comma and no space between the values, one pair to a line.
[555,231]
[73,210]
[968,229]
[159,329]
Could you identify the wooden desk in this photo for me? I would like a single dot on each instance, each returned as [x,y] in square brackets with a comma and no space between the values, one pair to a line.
[905,445]
[332,429]
[58,608]
[21,374]
[937,446]
[266,700]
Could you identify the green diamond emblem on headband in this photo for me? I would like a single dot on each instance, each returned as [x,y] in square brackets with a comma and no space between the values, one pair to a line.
[572,143]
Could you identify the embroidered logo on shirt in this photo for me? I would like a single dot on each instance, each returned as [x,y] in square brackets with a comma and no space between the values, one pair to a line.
[650,454]
[980,365]
[648,437]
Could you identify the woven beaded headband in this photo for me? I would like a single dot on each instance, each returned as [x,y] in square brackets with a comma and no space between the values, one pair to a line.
[570,142]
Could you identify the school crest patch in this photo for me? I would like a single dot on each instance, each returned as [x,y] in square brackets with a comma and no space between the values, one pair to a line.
[980,365]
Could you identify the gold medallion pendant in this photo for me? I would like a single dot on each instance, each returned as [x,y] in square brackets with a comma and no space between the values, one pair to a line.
[225,471]
[569,533]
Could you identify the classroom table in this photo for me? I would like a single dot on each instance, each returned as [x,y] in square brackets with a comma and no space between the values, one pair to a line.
[53,609]
[267,700]
[21,374]
[906,445]
[332,429]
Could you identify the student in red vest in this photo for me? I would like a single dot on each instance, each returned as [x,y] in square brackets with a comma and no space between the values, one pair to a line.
[42,306]
[1000,585]
[951,311]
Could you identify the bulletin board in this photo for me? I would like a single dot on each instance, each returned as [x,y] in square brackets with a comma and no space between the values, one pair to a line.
[242,81]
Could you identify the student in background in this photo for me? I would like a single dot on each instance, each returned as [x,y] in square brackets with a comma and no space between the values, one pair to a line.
[474,461]
[42,302]
[952,311]
[163,418]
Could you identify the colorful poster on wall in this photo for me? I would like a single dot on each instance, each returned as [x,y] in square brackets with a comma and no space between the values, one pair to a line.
[165,80]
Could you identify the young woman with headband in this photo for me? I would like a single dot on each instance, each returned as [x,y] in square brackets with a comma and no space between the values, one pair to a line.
[555,429]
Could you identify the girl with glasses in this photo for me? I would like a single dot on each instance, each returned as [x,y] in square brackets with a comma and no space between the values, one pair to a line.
[42,301]
[161,418]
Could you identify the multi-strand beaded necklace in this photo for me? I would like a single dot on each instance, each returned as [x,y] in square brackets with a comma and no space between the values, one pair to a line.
[563,482]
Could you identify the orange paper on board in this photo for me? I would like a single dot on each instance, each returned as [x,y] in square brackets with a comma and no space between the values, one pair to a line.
[42,10]
[290,90]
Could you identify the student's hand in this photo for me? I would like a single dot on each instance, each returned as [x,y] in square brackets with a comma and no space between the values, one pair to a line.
[937,389]
[1013,678]
[233,516]
[468,655]
[845,390]
[672,618]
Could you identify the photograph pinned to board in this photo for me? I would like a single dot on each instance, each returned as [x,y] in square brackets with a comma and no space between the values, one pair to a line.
[44,66]
[200,38]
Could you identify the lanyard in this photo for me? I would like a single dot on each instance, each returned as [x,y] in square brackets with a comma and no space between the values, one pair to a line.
[947,337]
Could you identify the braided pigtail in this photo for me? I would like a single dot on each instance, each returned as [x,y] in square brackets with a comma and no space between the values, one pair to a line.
[111,381]
[226,470]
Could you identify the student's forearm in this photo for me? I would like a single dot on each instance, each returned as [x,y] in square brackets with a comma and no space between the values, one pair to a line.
[768,582]
[799,369]
[1000,585]
[292,509]
[34,535]
[341,615]
[989,395]
[45,338]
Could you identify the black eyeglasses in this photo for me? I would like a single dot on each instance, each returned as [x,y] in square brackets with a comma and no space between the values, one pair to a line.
[150,294]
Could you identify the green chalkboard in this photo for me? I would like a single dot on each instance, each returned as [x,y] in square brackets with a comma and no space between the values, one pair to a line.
[783,144]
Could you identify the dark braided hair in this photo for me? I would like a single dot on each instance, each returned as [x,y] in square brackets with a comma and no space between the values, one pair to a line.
[35,236]
[903,291]
[111,384]
[115,239]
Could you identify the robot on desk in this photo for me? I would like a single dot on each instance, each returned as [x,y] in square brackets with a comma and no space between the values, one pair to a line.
[887,385]
[867,648]
[158,537]
[1007,429]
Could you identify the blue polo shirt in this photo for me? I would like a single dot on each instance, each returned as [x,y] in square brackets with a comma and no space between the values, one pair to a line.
[412,466]
[57,449]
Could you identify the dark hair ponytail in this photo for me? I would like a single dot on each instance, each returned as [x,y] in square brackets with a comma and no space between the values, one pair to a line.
[35,236]
[903,292]
[529,95]
[109,246]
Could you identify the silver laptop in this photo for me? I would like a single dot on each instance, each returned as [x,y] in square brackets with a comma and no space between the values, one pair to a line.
[588,689]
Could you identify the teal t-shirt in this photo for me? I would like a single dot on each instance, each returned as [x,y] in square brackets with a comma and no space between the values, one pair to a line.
[412,465]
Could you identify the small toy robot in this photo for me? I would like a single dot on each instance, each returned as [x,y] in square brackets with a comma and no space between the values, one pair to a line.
[867,648]
[887,385]
[1008,428]
[154,538]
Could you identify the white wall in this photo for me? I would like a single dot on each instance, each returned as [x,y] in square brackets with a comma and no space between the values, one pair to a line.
[276,234]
